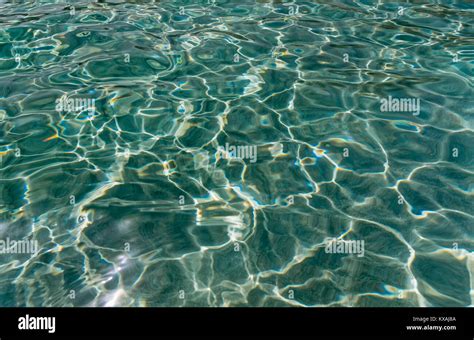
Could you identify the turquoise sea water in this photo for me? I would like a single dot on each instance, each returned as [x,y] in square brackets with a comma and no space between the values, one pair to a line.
[206,153]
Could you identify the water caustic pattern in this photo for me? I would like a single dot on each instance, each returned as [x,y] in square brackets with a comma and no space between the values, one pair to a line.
[219,153]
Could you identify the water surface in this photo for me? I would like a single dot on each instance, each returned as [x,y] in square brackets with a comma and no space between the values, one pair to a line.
[138,202]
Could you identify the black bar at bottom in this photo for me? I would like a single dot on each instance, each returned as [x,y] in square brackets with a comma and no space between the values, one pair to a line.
[291,323]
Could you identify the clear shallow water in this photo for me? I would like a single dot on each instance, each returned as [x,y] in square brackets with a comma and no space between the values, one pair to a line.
[135,203]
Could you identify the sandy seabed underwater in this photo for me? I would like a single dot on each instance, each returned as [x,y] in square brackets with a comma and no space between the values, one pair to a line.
[237,153]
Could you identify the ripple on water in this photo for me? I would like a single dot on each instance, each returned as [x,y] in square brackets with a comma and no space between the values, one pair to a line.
[135,203]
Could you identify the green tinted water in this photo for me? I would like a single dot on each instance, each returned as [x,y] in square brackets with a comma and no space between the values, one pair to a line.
[206,154]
